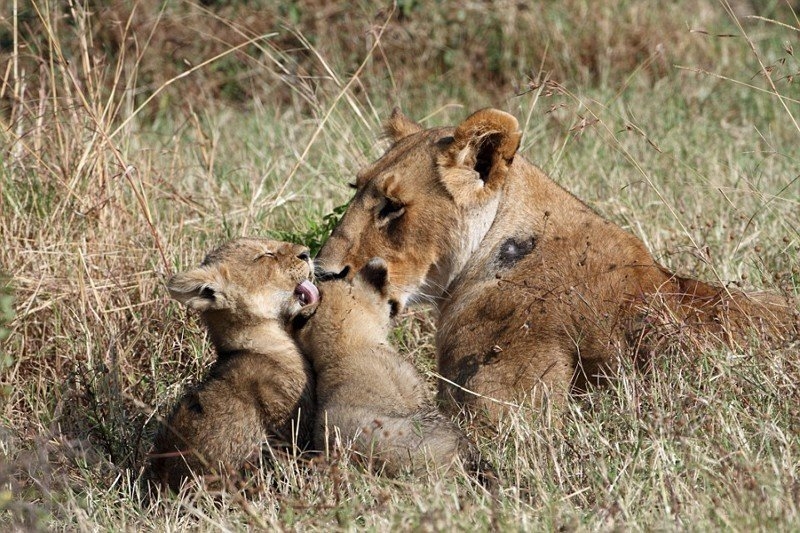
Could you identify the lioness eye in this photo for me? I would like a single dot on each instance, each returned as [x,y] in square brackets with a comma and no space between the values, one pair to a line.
[263,255]
[391,209]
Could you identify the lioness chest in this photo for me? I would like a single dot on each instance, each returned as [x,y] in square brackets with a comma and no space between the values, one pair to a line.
[552,289]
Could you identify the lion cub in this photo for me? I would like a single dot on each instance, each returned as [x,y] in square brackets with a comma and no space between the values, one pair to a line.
[366,394]
[260,389]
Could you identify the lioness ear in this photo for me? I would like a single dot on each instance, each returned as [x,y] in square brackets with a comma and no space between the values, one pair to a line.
[485,145]
[376,274]
[201,289]
[399,126]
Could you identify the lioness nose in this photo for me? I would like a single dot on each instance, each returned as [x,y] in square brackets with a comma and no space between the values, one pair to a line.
[324,275]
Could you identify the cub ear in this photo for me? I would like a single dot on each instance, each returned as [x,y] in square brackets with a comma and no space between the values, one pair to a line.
[202,289]
[483,148]
[376,274]
[400,126]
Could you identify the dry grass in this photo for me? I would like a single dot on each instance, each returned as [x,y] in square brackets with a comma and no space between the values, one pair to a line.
[278,52]
[119,167]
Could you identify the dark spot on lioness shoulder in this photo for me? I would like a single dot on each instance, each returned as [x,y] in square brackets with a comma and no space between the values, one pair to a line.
[445,141]
[193,404]
[514,249]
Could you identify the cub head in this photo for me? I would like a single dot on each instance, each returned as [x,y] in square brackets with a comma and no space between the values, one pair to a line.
[426,204]
[349,313]
[248,280]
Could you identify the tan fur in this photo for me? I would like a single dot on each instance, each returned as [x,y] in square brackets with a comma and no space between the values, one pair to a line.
[535,291]
[260,384]
[369,399]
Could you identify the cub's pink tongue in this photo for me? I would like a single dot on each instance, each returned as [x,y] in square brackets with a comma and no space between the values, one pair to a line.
[307,292]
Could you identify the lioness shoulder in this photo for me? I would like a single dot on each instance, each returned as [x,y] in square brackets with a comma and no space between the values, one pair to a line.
[260,389]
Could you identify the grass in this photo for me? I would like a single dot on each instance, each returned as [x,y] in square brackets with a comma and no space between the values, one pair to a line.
[119,168]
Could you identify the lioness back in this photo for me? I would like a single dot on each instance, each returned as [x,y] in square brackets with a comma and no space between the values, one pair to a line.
[535,291]
[260,389]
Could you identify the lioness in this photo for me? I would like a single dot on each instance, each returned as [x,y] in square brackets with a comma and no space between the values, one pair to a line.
[370,399]
[260,389]
[535,291]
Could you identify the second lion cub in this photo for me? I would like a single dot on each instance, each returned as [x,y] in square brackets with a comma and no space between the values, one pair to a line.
[260,389]
[376,402]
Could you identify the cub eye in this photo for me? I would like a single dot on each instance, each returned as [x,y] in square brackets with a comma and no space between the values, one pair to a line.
[390,210]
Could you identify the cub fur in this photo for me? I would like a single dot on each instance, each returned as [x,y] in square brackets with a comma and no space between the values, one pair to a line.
[260,389]
[535,291]
[368,396]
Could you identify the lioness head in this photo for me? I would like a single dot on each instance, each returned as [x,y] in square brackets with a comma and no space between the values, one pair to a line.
[348,312]
[248,280]
[426,204]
